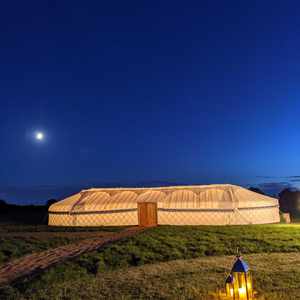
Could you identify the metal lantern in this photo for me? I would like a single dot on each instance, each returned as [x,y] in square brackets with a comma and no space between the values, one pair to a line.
[242,280]
[238,284]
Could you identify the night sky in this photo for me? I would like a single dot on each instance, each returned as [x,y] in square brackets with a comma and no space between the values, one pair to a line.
[146,93]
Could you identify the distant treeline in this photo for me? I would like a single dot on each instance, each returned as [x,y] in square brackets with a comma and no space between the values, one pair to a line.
[289,200]
[28,214]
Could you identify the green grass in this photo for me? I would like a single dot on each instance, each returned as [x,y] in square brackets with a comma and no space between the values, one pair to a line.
[24,228]
[95,272]
[19,240]
[276,276]
[170,243]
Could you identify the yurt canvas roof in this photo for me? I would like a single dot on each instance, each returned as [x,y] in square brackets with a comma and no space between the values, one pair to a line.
[173,197]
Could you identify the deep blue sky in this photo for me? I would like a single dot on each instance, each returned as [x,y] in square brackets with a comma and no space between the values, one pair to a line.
[131,92]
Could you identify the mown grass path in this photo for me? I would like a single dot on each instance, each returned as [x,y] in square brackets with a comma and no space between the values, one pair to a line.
[37,262]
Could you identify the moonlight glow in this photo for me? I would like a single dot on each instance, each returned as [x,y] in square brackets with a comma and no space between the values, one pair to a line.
[39,136]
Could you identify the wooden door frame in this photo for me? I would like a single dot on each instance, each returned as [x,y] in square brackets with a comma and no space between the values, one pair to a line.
[140,221]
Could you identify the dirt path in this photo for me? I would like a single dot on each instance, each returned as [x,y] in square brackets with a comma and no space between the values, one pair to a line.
[37,262]
[41,235]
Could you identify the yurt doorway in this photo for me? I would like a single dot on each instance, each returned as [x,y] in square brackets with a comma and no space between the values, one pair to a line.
[147,214]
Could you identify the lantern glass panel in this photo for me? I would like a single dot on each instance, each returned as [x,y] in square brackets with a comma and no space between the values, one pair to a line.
[242,286]
[229,289]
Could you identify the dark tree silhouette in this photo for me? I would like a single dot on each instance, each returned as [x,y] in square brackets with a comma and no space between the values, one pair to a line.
[289,201]
[3,205]
[50,202]
[3,202]
[256,190]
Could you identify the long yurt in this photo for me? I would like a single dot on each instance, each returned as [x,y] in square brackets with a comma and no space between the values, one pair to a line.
[176,205]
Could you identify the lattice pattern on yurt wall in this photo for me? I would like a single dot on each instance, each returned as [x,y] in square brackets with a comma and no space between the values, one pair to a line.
[109,219]
[247,216]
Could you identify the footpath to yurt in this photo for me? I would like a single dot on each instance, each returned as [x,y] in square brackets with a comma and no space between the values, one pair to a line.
[35,263]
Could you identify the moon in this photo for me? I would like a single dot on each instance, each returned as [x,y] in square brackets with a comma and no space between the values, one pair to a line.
[39,135]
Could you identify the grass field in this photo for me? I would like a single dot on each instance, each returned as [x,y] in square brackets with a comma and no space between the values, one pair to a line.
[162,263]
[276,276]
[18,240]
